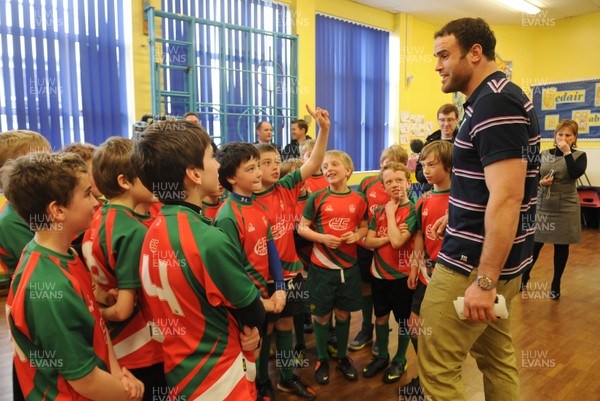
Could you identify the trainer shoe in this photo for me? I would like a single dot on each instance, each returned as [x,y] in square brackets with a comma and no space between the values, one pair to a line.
[394,372]
[308,324]
[364,337]
[375,366]
[411,390]
[299,356]
[297,387]
[332,348]
[322,372]
[265,391]
[349,372]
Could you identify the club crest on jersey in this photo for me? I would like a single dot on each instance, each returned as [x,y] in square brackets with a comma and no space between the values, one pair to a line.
[251,227]
[339,223]
[281,205]
[261,247]
[372,208]
[425,212]
[329,208]
[352,208]
[153,245]
[430,234]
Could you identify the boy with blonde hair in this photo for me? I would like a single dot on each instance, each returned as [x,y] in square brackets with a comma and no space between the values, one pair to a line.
[61,347]
[372,188]
[390,269]
[337,216]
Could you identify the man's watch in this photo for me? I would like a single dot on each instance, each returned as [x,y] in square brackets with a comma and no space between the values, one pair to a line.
[485,283]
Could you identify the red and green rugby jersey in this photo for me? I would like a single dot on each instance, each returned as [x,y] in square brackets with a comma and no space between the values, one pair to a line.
[431,207]
[111,248]
[210,210]
[280,202]
[389,263]
[372,188]
[246,224]
[303,246]
[191,274]
[336,214]
[56,329]
[316,182]
[14,235]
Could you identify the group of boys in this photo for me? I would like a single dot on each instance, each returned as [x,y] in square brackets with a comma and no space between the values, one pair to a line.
[182,302]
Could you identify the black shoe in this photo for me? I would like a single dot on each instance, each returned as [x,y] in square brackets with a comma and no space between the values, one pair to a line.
[375,366]
[322,372]
[349,372]
[297,387]
[364,337]
[394,372]
[411,390]
[265,391]
[308,324]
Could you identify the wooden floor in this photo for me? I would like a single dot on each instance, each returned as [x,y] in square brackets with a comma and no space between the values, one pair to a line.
[557,342]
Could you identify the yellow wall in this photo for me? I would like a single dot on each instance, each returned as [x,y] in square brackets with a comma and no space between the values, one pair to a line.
[567,50]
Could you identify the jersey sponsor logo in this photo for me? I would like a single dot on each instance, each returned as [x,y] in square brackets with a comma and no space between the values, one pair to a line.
[278,229]
[339,223]
[352,208]
[329,208]
[382,232]
[372,194]
[261,247]
[251,227]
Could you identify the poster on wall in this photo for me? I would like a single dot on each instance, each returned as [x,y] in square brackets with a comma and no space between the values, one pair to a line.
[575,100]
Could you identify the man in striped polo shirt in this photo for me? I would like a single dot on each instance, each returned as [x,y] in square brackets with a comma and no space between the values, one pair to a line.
[488,242]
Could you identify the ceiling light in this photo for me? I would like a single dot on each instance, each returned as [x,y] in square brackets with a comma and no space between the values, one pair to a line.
[521,5]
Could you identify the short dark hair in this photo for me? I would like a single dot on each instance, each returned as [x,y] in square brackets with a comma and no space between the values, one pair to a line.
[164,152]
[231,156]
[470,31]
[33,181]
[416,145]
[447,109]
[190,113]
[110,160]
[301,124]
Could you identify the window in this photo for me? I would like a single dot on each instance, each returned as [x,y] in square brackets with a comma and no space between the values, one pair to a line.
[233,62]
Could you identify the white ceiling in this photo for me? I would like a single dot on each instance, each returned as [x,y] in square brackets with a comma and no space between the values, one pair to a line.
[438,12]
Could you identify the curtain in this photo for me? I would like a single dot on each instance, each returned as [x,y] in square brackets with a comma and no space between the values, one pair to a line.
[352,83]
[63,69]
